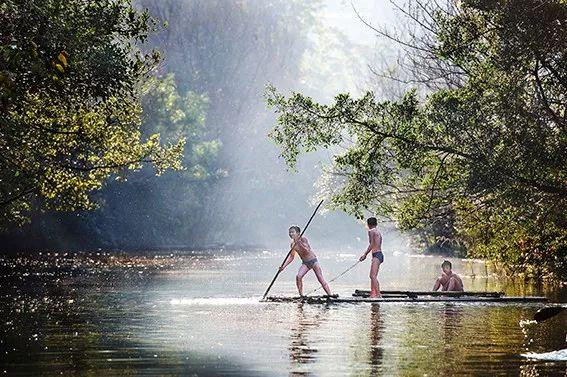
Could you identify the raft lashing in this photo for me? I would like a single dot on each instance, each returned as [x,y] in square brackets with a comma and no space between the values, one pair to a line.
[410,296]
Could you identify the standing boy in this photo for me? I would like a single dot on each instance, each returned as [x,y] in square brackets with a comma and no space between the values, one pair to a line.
[374,247]
[302,247]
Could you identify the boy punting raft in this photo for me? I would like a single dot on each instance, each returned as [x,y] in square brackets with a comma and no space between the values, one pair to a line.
[301,246]
[450,283]
[374,247]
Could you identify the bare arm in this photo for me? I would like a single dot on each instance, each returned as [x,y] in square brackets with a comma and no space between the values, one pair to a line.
[441,280]
[303,245]
[369,248]
[288,260]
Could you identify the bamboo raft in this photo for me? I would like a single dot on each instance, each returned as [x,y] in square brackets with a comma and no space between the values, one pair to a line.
[415,294]
[410,296]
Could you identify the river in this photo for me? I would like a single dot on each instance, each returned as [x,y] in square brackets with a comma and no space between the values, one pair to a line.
[198,313]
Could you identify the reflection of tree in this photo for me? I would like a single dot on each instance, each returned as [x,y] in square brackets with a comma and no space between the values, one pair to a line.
[433,341]
[300,352]
[376,329]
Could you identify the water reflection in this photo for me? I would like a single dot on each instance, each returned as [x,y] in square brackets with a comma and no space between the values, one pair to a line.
[376,348]
[197,314]
[306,324]
[451,315]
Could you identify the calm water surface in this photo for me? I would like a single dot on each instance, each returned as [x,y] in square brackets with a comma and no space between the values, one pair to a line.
[197,313]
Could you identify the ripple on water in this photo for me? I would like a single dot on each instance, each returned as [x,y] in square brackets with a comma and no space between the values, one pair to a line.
[89,313]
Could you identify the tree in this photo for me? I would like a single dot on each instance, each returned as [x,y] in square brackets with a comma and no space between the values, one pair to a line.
[480,161]
[156,211]
[70,76]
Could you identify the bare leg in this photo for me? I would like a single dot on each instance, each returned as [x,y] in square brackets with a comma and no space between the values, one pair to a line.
[319,274]
[374,285]
[299,278]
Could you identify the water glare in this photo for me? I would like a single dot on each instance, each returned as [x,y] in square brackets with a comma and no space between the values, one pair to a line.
[200,312]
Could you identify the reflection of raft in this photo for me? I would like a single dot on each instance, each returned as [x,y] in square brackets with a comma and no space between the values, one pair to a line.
[411,296]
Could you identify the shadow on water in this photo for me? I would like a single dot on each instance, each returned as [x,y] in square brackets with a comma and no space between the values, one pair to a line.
[301,351]
[376,332]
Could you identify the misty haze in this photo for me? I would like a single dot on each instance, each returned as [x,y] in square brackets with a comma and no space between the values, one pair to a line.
[283,187]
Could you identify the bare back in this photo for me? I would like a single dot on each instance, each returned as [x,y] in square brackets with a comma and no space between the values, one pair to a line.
[375,240]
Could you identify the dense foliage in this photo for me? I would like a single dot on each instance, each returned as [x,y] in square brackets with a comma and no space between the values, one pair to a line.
[207,91]
[159,210]
[480,163]
[70,78]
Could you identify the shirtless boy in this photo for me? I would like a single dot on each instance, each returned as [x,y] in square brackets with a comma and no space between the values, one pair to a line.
[375,247]
[301,247]
[448,281]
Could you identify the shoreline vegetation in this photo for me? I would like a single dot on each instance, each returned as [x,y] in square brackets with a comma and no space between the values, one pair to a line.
[173,257]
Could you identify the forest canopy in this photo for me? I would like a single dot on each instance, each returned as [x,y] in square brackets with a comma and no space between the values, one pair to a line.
[205,90]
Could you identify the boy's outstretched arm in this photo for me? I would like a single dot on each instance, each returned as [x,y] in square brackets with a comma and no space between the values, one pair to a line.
[288,260]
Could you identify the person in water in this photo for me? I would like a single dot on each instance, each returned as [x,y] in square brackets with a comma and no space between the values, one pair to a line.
[448,281]
[374,247]
[301,246]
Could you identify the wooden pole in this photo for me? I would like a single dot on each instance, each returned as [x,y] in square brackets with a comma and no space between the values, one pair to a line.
[290,250]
